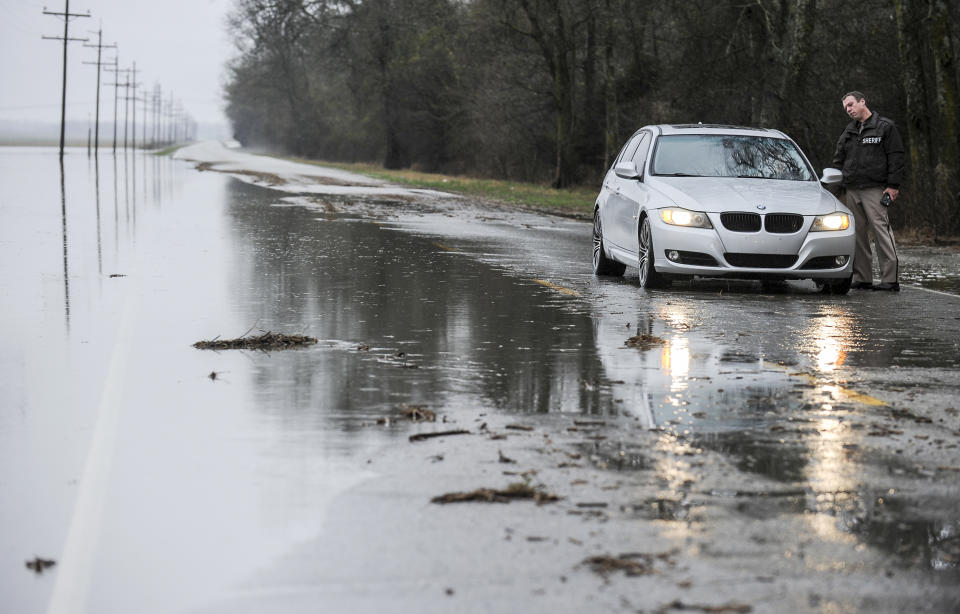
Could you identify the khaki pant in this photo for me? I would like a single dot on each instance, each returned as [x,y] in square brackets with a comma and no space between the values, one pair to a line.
[870,215]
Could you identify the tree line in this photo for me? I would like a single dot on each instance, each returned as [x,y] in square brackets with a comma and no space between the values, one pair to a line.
[548,90]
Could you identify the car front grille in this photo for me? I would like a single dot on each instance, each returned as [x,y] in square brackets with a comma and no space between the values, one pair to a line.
[741,222]
[782,222]
[761,261]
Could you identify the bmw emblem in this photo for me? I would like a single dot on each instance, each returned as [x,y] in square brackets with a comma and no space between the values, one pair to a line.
[761,207]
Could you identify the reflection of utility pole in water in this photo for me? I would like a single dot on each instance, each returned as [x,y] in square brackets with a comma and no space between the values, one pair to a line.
[126,191]
[96,179]
[156,180]
[66,15]
[133,182]
[63,221]
[116,212]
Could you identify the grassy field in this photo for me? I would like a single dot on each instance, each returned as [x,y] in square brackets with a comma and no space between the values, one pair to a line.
[169,150]
[573,201]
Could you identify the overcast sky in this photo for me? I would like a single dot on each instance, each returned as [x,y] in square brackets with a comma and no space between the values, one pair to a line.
[180,44]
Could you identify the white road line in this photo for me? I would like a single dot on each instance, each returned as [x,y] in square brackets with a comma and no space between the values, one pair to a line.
[76,565]
[933,291]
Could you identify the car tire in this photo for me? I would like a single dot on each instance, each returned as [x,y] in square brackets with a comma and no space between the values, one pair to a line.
[649,278]
[601,264]
[838,287]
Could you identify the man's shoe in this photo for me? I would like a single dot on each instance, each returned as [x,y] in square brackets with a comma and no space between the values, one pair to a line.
[889,286]
[861,285]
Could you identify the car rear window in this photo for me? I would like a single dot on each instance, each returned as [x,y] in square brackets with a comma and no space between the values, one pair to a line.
[718,155]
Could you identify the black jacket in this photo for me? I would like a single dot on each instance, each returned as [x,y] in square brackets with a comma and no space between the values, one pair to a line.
[871,156]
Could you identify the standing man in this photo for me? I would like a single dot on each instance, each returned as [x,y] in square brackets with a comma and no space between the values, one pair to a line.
[870,153]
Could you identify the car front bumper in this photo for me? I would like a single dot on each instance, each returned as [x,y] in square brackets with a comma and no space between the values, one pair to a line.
[800,255]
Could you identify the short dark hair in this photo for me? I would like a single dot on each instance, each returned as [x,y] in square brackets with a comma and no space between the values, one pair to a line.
[858,96]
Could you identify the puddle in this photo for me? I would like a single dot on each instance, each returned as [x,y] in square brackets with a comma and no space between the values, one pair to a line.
[897,526]
[752,452]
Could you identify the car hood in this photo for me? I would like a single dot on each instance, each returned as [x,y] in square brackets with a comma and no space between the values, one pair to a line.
[718,194]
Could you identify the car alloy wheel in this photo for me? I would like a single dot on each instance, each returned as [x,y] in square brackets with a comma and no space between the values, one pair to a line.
[649,278]
[601,264]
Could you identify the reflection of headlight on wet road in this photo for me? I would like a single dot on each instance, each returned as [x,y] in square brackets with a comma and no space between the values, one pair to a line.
[677,318]
[831,355]
[829,338]
[675,360]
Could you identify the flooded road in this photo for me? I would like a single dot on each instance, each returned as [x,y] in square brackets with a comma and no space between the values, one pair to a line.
[773,445]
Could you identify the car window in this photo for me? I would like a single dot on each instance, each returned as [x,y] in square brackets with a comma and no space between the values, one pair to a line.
[722,155]
[630,149]
[640,157]
[620,155]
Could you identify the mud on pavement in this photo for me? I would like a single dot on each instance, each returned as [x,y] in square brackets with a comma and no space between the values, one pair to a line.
[652,521]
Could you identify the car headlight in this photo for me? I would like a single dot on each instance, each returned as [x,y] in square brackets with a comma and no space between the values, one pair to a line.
[833,221]
[683,217]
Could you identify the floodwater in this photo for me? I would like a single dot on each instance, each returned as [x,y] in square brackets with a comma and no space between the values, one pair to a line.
[164,478]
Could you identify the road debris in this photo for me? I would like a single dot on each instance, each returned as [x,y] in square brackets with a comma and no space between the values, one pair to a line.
[730,608]
[411,413]
[518,427]
[266,341]
[644,342]
[630,564]
[418,414]
[423,436]
[39,565]
[516,490]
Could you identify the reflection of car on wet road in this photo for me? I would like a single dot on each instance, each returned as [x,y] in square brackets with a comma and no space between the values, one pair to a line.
[719,201]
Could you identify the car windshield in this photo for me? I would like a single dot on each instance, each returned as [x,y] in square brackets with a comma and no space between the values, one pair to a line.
[724,155]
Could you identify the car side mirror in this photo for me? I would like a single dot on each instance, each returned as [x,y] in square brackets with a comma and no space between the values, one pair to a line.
[627,170]
[831,176]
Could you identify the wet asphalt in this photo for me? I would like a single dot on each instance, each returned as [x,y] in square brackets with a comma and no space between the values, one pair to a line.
[771,445]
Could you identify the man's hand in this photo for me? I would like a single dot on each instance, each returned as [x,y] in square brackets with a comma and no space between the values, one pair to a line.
[892,192]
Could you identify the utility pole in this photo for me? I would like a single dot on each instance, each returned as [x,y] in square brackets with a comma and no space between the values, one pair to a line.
[66,14]
[100,47]
[116,70]
[157,97]
[126,107]
[133,137]
[143,141]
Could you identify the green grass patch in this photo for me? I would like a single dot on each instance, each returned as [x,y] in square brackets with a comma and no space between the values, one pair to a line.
[576,200]
[169,150]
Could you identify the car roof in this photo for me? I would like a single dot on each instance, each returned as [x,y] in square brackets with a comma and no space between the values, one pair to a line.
[671,129]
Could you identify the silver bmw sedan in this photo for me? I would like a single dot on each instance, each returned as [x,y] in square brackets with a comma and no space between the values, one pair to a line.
[720,201]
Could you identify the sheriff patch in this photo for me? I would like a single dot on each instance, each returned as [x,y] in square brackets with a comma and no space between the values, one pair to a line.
[871,140]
